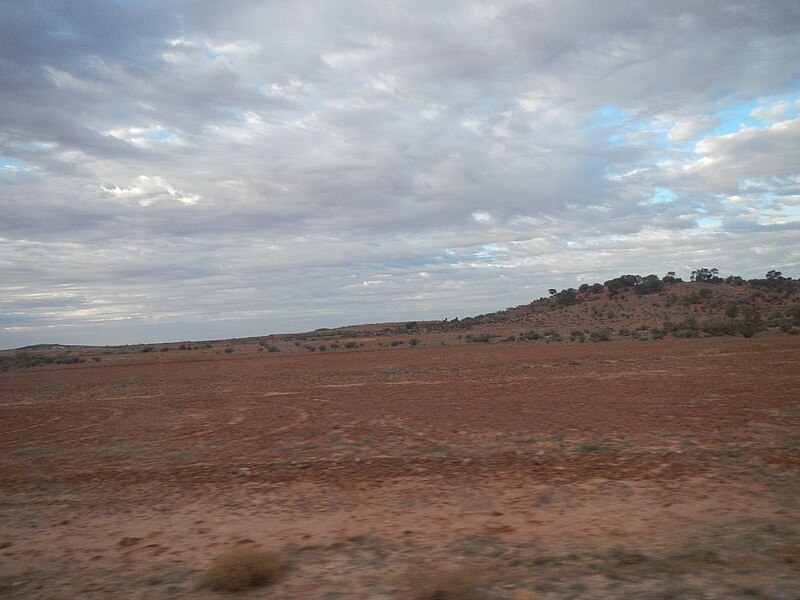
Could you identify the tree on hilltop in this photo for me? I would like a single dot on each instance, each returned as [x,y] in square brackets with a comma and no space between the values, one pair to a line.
[704,275]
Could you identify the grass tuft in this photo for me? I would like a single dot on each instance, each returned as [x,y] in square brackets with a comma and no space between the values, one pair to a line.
[445,585]
[244,568]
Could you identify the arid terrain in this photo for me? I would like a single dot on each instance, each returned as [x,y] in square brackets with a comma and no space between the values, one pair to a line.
[666,468]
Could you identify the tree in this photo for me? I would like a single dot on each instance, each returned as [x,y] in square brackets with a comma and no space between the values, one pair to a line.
[704,275]
[649,284]
[567,296]
[622,281]
[552,291]
[774,275]
[670,277]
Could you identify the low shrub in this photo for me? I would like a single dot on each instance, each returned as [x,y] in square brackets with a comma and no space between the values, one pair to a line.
[445,585]
[600,335]
[244,568]
[479,339]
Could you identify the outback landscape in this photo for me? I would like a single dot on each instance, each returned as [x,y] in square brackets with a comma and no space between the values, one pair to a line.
[637,438]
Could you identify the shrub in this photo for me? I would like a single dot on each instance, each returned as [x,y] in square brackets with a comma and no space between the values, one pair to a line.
[748,328]
[244,568]
[479,339]
[718,327]
[551,335]
[444,585]
[530,335]
[350,345]
[600,335]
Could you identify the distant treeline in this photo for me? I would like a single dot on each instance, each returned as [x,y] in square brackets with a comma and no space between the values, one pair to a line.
[648,284]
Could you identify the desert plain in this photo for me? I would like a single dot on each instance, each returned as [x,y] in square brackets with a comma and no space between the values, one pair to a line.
[630,469]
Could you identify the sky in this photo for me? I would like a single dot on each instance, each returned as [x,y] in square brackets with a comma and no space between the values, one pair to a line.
[188,170]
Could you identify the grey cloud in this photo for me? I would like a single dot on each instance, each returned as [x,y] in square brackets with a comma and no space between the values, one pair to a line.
[282,157]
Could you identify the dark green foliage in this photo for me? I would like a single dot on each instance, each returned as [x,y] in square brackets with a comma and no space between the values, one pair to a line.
[567,296]
[704,275]
[649,285]
[670,278]
[774,275]
[621,282]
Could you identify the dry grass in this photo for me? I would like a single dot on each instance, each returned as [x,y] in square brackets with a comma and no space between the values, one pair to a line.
[244,568]
[444,585]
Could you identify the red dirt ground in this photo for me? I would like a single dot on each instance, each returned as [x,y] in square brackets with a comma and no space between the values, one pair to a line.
[664,469]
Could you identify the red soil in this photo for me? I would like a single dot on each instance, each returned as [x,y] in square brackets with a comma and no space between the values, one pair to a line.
[535,465]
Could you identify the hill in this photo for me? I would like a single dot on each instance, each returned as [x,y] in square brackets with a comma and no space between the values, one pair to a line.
[630,306]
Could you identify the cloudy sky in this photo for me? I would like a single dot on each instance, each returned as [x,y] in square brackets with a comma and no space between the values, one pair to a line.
[182,170]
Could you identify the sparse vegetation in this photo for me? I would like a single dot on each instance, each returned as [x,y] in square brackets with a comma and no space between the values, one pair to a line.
[23,359]
[628,307]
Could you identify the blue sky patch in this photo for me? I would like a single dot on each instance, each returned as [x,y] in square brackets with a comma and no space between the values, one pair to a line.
[662,196]
[12,164]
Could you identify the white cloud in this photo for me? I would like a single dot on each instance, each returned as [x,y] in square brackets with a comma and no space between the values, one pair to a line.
[149,190]
[752,152]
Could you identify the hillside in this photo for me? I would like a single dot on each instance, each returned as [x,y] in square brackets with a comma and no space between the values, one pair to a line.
[630,306]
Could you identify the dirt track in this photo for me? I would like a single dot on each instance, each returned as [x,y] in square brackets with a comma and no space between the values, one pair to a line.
[626,469]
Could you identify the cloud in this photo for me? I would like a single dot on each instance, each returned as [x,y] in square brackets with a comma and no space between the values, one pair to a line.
[149,190]
[202,168]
